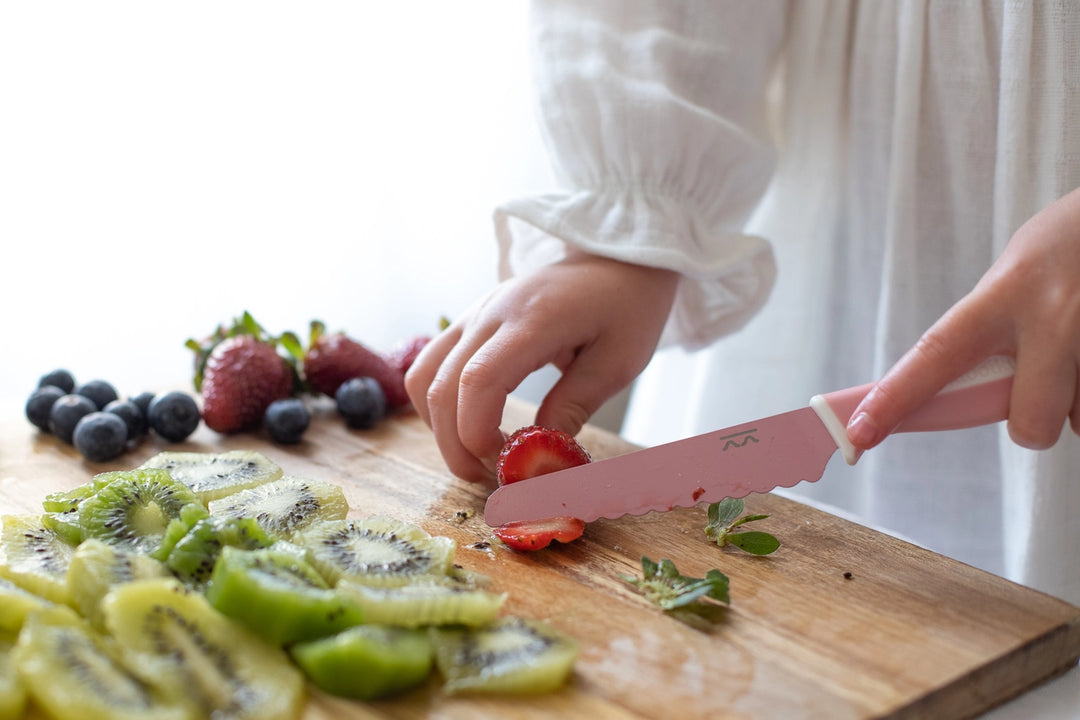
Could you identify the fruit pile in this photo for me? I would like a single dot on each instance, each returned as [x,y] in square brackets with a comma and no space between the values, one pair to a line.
[249,378]
[212,585]
[102,425]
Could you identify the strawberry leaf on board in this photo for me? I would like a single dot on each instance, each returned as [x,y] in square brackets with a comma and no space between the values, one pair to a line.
[725,512]
[724,518]
[663,585]
[755,543]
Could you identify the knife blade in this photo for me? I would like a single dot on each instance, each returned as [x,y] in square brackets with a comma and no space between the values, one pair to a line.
[758,456]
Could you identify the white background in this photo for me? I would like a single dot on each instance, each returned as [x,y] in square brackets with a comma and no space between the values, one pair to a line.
[164,167]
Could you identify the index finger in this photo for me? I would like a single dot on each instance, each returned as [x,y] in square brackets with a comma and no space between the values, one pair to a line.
[948,349]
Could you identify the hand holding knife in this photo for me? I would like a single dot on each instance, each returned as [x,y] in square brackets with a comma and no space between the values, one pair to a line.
[758,456]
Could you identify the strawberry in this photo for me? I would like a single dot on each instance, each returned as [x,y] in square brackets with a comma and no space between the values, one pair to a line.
[536,450]
[402,357]
[239,373]
[528,452]
[333,358]
[529,535]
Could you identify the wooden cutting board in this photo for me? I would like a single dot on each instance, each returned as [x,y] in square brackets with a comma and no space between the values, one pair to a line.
[841,622]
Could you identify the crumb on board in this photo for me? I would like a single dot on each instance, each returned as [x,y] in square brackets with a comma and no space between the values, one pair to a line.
[461,516]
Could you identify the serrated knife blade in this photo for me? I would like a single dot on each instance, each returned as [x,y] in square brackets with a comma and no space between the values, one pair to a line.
[754,457]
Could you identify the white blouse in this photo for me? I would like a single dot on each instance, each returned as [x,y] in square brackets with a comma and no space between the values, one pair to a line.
[829,177]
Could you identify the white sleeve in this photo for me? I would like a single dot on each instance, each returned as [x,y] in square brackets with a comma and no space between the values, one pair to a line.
[655,115]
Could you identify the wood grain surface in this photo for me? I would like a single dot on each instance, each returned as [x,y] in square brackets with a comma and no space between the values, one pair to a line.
[841,622]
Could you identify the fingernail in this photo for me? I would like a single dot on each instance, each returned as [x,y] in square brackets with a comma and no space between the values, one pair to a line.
[862,431]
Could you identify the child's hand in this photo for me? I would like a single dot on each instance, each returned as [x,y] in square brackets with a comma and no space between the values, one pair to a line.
[597,320]
[1028,306]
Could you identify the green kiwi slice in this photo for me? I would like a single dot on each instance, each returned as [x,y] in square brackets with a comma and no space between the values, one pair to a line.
[15,604]
[285,505]
[178,527]
[65,524]
[196,656]
[35,558]
[73,673]
[425,603]
[62,508]
[133,508]
[377,551]
[215,475]
[510,656]
[194,555]
[97,567]
[12,688]
[367,662]
[278,595]
[68,500]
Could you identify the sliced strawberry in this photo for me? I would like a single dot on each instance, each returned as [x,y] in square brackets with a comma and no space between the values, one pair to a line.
[529,535]
[537,450]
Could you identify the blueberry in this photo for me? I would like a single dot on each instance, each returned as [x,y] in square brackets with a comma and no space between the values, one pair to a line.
[100,436]
[286,420]
[143,400]
[66,412]
[40,404]
[101,392]
[131,414]
[60,378]
[174,416]
[361,401]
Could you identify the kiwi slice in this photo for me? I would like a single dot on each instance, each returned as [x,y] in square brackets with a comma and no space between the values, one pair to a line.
[511,656]
[133,508]
[172,637]
[193,557]
[285,505]
[12,688]
[215,475]
[73,673]
[68,500]
[97,567]
[62,508]
[178,527]
[377,551]
[15,604]
[65,524]
[278,595]
[36,558]
[367,662]
[425,603]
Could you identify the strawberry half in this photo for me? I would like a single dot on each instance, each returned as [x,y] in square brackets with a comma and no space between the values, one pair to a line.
[333,358]
[537,450]
[528,452]
[239,373]
[529,535]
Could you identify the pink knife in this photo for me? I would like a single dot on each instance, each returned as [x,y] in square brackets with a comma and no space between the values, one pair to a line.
[757,456]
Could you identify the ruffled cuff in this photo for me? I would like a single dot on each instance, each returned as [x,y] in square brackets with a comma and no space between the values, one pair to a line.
[727,276]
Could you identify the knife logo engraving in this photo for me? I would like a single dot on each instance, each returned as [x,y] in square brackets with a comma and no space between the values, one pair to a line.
[739,439]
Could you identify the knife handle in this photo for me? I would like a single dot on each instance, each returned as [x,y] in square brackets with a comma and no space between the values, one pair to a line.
[979,397]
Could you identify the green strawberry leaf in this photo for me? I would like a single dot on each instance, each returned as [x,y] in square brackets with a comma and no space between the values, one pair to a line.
[755,543]
[724,517]
[663,585]
[723,513]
